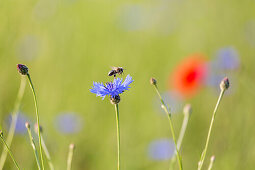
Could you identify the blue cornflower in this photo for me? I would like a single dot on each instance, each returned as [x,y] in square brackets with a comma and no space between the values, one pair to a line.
[113,89]
[161,149]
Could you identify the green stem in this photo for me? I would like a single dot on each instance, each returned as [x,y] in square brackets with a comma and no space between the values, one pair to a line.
[118,133]
[34,148]
[10,152]
[180,138]
[183,130]
[171,127]
[14,120]
[211,163]
[70,157]
[202,158]
[47,154]
[37,118]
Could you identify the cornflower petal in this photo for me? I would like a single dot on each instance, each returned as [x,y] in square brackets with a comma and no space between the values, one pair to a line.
[127,82]
[111,88]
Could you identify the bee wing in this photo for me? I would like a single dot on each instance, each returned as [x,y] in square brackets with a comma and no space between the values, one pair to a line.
[114,68]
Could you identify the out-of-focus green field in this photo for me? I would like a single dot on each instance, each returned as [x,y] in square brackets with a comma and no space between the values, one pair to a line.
[68,44]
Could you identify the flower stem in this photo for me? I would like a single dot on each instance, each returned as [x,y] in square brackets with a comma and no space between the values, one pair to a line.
[47,154]
[211,163]
[70,157]
[180,138]
[14,120]
[37,118]
[34,147]
[202,158]
[171,127]
[10,152]
[118,133]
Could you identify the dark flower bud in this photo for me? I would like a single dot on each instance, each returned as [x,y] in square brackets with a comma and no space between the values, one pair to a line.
[36,128]
[224,85]
[23,70]
[27,125]
[187,109]
[1,133]
[153,81]
[115,99]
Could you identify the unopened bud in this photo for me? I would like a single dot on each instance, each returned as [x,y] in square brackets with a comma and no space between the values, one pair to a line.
[153,81]
[1,133]
[22,69]
[115,99]
[187,109]
[36,128]
[224,84]
[212,158]
[71,146]
[27,125]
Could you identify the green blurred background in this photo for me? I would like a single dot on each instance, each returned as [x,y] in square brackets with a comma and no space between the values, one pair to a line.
[68,44]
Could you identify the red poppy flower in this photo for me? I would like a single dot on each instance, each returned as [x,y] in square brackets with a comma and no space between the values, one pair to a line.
[188,77]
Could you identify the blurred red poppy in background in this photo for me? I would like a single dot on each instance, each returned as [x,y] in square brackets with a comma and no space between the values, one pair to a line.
[189,75]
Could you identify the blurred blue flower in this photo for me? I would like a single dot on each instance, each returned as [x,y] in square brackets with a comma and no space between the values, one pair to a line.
[20,125]
[45,9]
[132,17]
[227,59]
[28,47]
[68,123]
[250,32]
[161,149]
[213,79]
[111,88]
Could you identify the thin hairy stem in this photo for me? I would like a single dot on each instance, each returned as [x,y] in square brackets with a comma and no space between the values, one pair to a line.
[118,133]
[171,127]
[47,154]
[180,138]
[202,158]
[13,120]
[37,118]
[10,152]
[70,157]
[34,148]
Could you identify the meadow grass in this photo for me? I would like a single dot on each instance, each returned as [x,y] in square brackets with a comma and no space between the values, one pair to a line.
[9,150]
[166,109]
[70,156]
[32,142]
[74,42]
[224,85]
[14,118]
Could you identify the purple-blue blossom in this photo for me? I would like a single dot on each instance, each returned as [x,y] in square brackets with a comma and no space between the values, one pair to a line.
[20,124]
[111,88]
[68,123]
[161,149]
[227,59]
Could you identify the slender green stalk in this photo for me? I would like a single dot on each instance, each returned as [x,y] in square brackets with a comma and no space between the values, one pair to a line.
[47,154]
[211,163]
[118,133]
[10,152]
[14,120]
[70,157]
[183,130]
[171,126]
[37,118]
[180,138]
[202,158]
[33,146]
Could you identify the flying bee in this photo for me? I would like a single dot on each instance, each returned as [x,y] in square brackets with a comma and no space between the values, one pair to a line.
[116,70]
